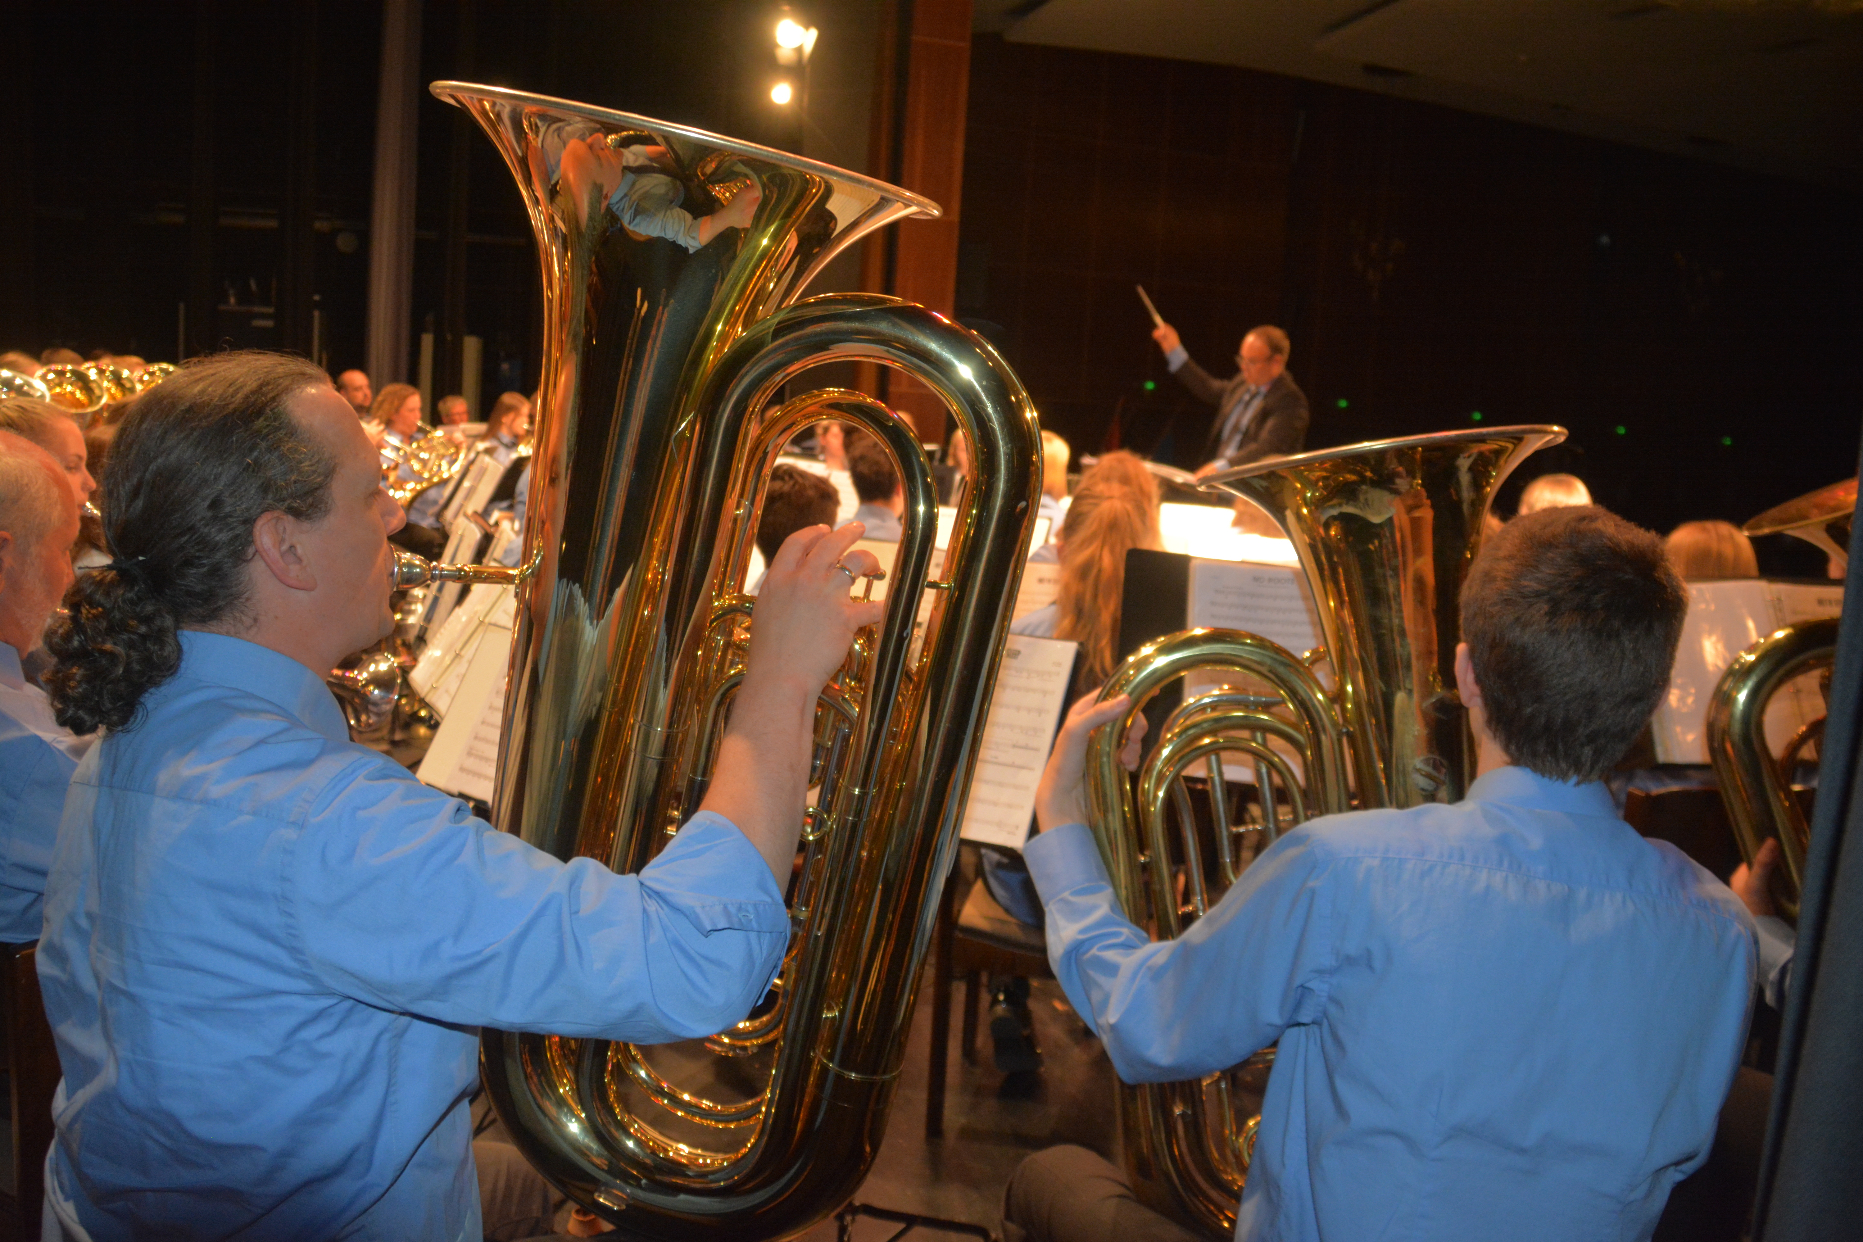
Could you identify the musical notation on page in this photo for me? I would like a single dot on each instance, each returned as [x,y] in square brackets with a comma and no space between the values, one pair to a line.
[1025,711]
[1270,600]
[464,756]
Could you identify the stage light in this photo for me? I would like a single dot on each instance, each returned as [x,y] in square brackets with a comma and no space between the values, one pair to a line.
[790,33]
[1151,385]
[1475,417]
[1727,442]
[781,93]
[1620,429]
[1342,403]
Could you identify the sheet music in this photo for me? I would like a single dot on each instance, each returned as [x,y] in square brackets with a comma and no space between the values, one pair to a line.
[488,611]
[1041,582]
[464,756]
[1270,600]
[1024,715]
[1724,619]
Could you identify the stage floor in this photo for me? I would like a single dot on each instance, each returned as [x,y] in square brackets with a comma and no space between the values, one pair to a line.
[987,1131]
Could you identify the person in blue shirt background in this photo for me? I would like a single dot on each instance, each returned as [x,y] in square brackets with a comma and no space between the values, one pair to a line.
[1507,1017]
[267,950]
[38,528]
[881,491]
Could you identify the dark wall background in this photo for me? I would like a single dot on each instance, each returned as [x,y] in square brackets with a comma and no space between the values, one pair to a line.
[102,128]
[1697,328]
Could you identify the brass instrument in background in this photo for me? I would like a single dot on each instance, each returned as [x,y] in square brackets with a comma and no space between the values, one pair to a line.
[84,389]
[1385,533]
[668,389]
[1820,518]
[432,458]
[74,388]
[15,384]
[1756,785]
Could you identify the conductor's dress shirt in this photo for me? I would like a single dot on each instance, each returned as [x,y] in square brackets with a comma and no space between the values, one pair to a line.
[1511,1017]
[268,951]
[37,756]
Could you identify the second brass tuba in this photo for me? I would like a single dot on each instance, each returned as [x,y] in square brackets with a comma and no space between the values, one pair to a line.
[676,360]
[1385,533]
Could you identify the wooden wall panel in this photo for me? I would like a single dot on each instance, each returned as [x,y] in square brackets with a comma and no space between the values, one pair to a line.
[1428,264]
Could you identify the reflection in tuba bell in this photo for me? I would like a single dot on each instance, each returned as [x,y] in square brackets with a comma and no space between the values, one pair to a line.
[1385,533]
[670,383]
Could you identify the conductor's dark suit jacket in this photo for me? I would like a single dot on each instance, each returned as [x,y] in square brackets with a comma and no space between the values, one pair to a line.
[1279,427]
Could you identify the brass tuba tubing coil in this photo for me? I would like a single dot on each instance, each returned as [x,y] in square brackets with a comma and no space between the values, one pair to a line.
[1758,795]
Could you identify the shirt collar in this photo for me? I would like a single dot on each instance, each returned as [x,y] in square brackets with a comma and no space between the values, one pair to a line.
[222,660]
[12,676]
[1520,786]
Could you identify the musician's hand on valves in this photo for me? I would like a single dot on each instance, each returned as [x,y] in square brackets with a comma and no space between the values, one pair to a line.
[1061,798]
[804,622]
[1166,336]
[805,619]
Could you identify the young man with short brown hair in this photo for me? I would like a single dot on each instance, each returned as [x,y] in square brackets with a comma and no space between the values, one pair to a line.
[1507,1017]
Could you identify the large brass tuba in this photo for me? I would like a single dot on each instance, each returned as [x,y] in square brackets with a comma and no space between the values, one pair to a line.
[1385,533]
[1756,785]
[675,354]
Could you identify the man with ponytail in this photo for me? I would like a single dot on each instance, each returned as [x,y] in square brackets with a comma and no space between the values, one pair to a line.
[38,526]
[267,950]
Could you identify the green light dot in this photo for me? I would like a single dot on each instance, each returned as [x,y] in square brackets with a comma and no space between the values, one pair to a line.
[1475,417]
[1727,441]
[1620,429]
[1151,385]
[1342,403]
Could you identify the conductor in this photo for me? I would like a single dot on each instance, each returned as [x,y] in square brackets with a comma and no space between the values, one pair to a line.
[1260,412]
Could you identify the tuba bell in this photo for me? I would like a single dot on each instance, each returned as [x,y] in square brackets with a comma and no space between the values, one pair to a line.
[674,373]
[1385,533]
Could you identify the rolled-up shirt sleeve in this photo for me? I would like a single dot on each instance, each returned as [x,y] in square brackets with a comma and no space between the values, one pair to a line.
[400,898]
[1777,944]
[1256,964]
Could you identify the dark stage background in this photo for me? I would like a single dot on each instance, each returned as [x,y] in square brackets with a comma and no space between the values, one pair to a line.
[1695,326]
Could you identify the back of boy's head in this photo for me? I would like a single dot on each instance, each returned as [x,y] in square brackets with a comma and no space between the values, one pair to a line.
[792,500]
[871,468]
[1571,616]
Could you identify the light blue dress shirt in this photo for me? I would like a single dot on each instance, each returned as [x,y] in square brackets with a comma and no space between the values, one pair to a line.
[37,756]
[1511,1017]
[268,951]
[881,522]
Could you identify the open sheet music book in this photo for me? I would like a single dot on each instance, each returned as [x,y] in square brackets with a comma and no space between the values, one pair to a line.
[1270,600]
[1024,714]
[1724,619]
[467,687]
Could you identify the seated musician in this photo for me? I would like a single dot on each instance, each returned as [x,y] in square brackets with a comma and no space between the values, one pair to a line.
[267,950]
[1507,1017]
[877,483]
[793,500]
[38,526]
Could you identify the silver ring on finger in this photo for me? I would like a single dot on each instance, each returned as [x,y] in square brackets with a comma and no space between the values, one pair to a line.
[852,577]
